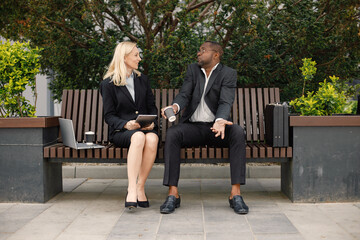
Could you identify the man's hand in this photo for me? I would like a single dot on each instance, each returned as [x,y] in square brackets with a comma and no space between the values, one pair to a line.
[175,109]
[132,125]
[219,127]
[149,127]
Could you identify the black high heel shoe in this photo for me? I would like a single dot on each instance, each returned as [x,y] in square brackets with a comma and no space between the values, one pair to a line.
[130,205]
[144,204]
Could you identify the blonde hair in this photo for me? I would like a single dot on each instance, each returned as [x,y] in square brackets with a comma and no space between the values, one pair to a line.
[117,67]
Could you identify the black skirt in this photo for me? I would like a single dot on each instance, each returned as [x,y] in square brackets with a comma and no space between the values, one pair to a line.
[123,138]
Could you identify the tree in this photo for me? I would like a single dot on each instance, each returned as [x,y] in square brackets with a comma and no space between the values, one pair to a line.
[263,40]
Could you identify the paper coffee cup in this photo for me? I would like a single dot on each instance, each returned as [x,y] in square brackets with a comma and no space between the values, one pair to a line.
[89,137]
[169,113]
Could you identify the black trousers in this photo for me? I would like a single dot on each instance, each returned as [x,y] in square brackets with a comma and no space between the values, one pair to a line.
[200,134]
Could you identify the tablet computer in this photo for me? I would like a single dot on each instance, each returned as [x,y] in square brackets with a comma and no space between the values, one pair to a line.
[145,119]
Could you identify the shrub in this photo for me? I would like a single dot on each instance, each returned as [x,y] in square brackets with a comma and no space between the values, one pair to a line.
[19,64]
[332,97]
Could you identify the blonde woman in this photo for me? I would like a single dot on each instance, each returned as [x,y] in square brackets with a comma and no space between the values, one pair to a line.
[126,94]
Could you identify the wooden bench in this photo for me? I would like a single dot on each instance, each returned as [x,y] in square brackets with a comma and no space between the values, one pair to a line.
[85,108]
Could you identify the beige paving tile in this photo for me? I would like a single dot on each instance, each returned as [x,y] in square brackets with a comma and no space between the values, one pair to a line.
[5,206]
[346,215]
[312,223]
[66,236]
[98,218]
[39,230]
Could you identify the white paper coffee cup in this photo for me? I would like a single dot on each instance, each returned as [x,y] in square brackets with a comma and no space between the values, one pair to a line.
[89,138]
[169,113]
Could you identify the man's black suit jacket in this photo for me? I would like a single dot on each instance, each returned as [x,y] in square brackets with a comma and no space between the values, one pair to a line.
[219,93]
[119,106]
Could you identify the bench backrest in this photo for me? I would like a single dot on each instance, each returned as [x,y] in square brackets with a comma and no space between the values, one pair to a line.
[85,108]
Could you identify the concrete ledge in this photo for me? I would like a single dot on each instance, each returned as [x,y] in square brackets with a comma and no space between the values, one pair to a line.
[187,172]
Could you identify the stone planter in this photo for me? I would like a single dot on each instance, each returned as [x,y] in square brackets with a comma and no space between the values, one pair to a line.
[326,159]
[24,175]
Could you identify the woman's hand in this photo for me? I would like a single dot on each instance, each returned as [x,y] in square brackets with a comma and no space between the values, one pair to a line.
[132,125]
[149,127]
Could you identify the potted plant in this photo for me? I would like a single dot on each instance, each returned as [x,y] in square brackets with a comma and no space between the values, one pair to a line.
[326,144]
[23,135]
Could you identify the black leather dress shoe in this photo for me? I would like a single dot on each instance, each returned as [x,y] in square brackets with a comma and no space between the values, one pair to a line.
[238,204]
[170,204]
[144,204]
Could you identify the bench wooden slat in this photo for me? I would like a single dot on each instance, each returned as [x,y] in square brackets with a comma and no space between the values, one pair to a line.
[82,153]
[289,152]
[247,114]
[197,153]
[226,152]
[266,97]
[79,127]
[218,153]
[235,108]
[272,95]
[189,152]
[46,152]
[88,110]
[111,152]
[100,122]
[60,152]
[124,152]
[182,153]
[178,116]
[74,115]
[283,152]
[254,151]
[211,152]
[89,153]
[164,121]
[204,154]
[157,103]
[277,95]
[253,115]
[97,153]
[260,114]
[67,152]
[247,151]
[63,105]
[69,103]
[276,152]
[241,107]
[94,106]
[170,100]
[117,153]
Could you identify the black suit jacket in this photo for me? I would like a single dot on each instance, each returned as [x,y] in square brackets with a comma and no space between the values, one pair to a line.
[119,107]
[219,92]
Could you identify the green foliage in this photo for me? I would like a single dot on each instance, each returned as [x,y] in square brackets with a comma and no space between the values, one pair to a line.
[308,71]
[332,97]
[265,41]
[19,63]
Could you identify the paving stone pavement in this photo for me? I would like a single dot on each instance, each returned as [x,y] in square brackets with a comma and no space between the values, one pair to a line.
[93,209]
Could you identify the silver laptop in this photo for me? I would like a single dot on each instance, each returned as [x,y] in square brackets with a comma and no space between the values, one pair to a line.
[68,136]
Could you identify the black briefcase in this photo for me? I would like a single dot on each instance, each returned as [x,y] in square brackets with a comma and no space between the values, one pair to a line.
[277,125]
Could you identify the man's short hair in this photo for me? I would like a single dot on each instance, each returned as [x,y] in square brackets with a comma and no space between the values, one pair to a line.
[216,47]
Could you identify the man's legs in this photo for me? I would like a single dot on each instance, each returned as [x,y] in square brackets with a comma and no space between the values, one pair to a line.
[235,140]
[197,134]
[178,136]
